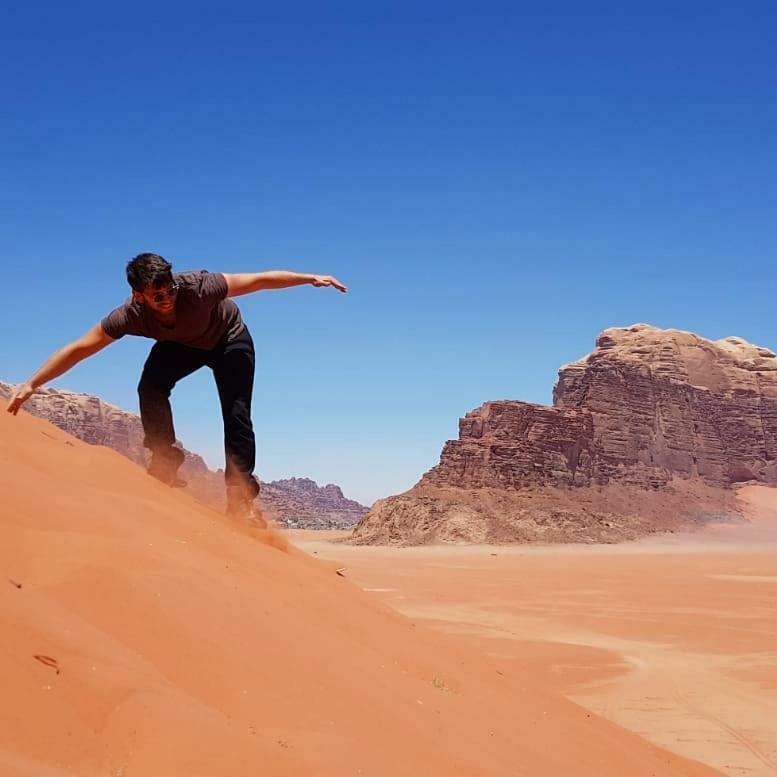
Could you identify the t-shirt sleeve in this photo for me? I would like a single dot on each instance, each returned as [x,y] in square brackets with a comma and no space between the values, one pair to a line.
[213,287]
[119,322]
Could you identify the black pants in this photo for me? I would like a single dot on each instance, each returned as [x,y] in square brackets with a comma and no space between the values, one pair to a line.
[233,369]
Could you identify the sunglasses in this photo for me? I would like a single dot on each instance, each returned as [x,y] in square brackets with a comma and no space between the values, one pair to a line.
[170,292]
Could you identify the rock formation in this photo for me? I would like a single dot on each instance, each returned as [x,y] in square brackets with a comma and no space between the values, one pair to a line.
[649,432]
[298,502]
[303,503]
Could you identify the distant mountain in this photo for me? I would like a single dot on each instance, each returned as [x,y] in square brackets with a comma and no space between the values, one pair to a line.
[297,502]
[650,432]
[305,504]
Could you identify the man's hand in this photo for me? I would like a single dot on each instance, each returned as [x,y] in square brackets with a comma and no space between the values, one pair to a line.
[328,280]
[19,397]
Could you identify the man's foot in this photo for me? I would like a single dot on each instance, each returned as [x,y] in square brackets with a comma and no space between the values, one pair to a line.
[241,501]
[164,466]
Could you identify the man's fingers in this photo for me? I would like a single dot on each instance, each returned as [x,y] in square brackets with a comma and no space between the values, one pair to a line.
[16,401]
[325,281]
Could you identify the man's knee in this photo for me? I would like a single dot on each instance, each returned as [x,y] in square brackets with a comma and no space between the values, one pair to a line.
[152,389]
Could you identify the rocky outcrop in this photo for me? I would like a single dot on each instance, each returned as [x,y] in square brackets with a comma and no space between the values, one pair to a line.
[649,432]
[517,445]
[666,403]
[303,503]
[297,502]
[434,514]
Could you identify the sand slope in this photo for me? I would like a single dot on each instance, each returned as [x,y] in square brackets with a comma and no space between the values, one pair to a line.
[170,642]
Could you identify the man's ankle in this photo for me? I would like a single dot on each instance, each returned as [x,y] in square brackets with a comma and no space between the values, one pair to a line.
[164,465]
[168,453]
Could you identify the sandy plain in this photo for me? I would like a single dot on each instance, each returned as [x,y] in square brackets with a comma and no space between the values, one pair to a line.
[674,637]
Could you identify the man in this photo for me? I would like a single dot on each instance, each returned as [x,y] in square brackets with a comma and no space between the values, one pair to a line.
[195,323]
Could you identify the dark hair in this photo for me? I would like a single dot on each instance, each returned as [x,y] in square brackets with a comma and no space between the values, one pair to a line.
[148,270]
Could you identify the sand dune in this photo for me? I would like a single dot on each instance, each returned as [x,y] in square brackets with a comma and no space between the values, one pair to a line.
[146,636]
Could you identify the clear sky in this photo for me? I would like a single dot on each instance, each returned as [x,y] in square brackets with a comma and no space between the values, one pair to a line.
[496,182]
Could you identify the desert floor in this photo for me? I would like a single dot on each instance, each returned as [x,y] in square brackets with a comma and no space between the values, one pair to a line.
[674,637]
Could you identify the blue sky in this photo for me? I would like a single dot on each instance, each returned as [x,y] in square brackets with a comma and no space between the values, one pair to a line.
[496,182]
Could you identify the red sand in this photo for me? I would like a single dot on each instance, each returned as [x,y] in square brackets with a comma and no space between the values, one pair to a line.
[146,636]
[674,637]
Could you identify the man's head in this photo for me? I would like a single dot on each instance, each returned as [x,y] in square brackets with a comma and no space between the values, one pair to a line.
[151,279]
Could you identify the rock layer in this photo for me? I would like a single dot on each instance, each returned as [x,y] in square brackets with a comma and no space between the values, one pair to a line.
[295,501]
[653,420]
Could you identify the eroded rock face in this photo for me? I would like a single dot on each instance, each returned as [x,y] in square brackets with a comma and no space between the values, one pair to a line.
[647,409]
[302,502]
[296,501]
[673,403]
[517,445]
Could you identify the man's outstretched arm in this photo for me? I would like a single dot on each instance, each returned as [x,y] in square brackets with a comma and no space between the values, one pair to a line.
[65,358]
[248,282]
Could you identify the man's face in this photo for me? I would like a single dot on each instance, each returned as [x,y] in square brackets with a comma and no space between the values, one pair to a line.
[158,299]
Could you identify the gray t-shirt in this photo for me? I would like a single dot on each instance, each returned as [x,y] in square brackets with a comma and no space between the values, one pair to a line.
[204,317]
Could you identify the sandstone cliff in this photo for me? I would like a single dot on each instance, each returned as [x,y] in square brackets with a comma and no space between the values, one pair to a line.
[649,432]
[295,501]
